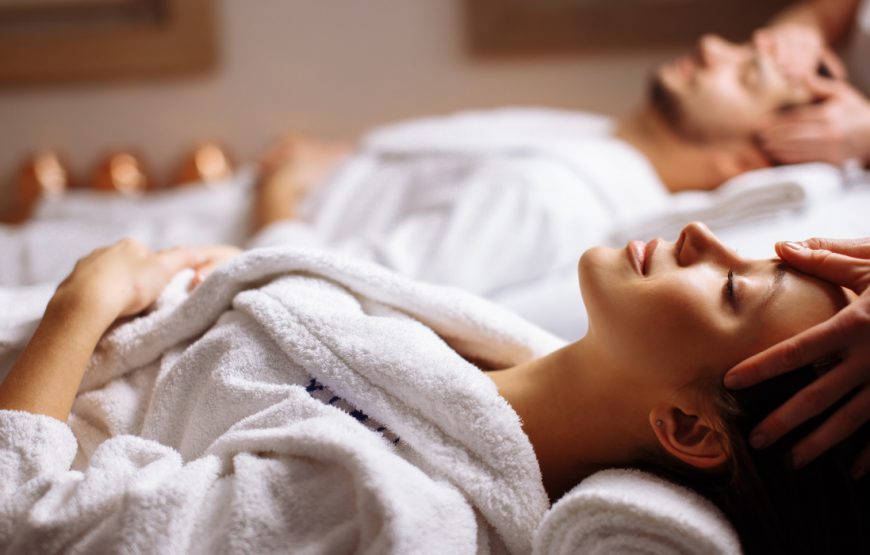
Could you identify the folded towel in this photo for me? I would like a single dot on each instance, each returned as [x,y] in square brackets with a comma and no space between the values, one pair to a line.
[617,512]
[749,197]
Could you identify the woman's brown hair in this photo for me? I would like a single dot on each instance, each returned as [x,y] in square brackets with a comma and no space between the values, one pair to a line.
[774,507]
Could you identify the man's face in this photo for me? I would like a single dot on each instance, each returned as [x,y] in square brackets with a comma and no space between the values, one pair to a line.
[722,91]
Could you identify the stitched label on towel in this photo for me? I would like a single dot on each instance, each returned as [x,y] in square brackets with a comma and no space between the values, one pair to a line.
[325,395]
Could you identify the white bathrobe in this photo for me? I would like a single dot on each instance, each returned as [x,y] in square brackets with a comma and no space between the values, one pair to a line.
[194,431]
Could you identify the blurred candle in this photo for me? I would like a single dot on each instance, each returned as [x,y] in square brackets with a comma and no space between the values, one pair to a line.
[207,163]
[121,172]
[41,175]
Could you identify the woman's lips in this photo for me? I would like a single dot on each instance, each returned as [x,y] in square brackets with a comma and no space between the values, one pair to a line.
[647,255]
[636,254]
[640,254]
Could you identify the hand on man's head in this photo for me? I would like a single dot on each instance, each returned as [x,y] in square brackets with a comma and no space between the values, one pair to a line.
[834,129]
[846,335]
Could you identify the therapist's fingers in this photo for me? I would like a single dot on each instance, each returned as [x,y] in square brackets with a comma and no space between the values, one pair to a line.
[804,348]
[859,247]
[810,401]
[834,64]
[841,269]
[822,88]
[842,424]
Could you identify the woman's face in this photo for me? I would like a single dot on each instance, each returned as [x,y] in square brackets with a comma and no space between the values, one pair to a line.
[677,312]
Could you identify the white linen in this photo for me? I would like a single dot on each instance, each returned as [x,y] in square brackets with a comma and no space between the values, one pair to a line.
[622,512]
[195,432]
[759,195]
[65,228]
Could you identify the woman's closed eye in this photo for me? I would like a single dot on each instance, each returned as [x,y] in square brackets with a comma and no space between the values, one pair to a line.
[730,293]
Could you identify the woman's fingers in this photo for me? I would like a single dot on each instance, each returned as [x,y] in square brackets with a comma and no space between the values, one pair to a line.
[213,257]
[842,424]
[174,260]
[841,269]
[811,401]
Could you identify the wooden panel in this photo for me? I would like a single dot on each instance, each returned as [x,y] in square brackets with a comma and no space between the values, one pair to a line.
[535,26]
[129,39]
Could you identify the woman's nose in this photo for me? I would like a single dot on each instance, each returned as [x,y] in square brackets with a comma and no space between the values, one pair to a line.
[697,243]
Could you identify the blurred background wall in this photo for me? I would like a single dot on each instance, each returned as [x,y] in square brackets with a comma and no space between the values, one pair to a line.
[332,67]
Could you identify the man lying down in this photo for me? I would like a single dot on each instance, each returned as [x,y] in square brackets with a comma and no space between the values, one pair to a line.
[490,201]
[301,401]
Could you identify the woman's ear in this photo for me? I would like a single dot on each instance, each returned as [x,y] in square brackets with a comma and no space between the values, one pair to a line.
[692,438]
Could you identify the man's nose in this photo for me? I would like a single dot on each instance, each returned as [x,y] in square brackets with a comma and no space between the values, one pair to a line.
[712,49]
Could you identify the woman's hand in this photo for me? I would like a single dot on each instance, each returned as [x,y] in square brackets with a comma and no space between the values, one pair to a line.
[214,257]
[120,280]
[125,278]
[846,335]
[834,130]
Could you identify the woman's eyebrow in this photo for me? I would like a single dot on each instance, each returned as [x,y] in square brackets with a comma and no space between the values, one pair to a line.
[775,287]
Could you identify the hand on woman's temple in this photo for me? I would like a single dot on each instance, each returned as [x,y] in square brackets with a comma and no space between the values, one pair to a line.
[846,335]
[797,50]
[834,130]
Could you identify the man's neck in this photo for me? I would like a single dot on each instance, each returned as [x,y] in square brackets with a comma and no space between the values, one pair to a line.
[680,163]
[569,409]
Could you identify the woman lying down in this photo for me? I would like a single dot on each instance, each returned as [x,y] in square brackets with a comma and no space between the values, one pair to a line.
[301,402]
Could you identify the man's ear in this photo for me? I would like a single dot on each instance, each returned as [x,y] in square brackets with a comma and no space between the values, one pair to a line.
[737,158]
[689,437]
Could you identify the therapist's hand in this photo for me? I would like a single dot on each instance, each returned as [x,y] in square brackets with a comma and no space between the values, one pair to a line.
[846,335]
[797,50]
[835,129]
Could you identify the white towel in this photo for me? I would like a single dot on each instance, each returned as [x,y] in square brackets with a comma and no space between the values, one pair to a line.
[195,431]
[616,512]
[757,195]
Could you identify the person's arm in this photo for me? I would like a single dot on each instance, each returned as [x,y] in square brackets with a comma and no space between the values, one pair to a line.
[112,282]
[289,171]
[846,335]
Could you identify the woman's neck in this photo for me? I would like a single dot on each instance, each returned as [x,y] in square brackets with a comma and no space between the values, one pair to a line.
[573,411]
